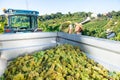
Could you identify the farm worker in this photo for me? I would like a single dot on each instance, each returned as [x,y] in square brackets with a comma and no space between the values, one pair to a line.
[70,29]
[110,33]
[78,28]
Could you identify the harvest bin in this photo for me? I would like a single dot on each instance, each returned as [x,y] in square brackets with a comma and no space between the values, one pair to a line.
[105,52]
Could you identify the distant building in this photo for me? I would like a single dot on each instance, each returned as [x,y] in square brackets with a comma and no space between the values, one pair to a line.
[109,15]
[104,14]
[94,15]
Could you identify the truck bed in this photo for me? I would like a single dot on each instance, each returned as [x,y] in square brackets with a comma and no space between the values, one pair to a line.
[105,52]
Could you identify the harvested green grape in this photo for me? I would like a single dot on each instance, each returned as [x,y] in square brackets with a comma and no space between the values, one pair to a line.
[64,62]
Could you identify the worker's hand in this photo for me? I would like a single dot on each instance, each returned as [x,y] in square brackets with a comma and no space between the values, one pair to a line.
[78,29]
[70,31]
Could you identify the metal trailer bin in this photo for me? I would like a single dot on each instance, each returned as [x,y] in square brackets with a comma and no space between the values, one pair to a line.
[105,52]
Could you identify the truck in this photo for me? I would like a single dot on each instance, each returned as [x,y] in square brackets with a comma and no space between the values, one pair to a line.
[20,21]
[103,51]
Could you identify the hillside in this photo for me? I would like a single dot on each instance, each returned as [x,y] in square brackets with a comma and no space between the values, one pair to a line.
[97,27]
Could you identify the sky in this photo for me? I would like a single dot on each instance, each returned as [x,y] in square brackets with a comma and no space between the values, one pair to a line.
[64,6]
